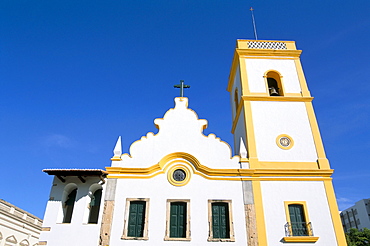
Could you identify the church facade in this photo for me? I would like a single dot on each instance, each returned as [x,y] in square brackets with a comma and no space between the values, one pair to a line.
[181,187]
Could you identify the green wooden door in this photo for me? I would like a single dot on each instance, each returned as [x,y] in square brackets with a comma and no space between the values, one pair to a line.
[297,219]
[178,220]
[220,220]
[136,219]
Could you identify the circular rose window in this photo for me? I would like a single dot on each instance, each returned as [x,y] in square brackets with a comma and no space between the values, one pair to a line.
[284,141]
[179,175]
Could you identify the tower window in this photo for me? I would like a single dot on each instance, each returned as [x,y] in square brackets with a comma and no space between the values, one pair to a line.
[297,220]
[298,227]
[236,101]
[274,83]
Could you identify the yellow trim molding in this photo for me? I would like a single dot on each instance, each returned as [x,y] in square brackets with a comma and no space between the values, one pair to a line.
[277,98]
[333,207]
[260,217]
[269,52]
[304,239]
[116,158]
[323,162]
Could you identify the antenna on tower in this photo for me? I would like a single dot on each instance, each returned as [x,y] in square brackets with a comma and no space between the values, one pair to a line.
[254,24]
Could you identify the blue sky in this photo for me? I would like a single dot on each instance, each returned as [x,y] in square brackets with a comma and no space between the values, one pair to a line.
[75,75]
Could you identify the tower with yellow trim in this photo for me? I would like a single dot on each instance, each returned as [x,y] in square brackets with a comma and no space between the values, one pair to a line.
[274,122]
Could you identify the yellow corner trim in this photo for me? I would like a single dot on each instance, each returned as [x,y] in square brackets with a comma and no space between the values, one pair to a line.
[301,239]
[116,158]
[268,52]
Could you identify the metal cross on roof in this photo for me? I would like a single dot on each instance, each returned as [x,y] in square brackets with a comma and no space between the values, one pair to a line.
[181,86]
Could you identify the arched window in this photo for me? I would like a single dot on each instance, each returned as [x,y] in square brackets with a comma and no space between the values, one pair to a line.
[94,206]
[236,101]
[70,192]
[274,84]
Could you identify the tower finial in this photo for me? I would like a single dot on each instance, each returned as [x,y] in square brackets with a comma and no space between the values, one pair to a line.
[254,24]
[181,86]
[117,150]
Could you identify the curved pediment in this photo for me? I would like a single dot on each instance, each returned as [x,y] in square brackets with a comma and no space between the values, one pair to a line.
[180,130]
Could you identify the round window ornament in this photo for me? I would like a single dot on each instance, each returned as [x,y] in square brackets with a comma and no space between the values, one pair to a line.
[178,175]
[284,141]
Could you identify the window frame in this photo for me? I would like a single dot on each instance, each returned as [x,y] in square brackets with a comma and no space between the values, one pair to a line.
[293,238]
[168,218]
[279,80]
[127,215]
[210,222]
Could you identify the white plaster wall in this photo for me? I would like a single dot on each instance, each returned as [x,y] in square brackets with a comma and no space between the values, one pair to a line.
[274,193]
[9,226]
[78,232]
[198,190]
[180,130]
[256,69]
[270,119]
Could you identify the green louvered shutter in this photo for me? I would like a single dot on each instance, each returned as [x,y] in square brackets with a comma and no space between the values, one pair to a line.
[178,220]
[220,220]
[297,220]
[136,219]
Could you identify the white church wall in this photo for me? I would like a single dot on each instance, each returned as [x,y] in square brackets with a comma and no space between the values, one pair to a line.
[78,232]
[272,119]
[258,67]
[275,193]
[180,131]
[198,191]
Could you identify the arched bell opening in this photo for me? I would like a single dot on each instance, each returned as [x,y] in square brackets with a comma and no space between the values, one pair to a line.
[274,83]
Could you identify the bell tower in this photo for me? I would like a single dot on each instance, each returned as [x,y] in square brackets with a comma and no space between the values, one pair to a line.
[272,107]
[288,177]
